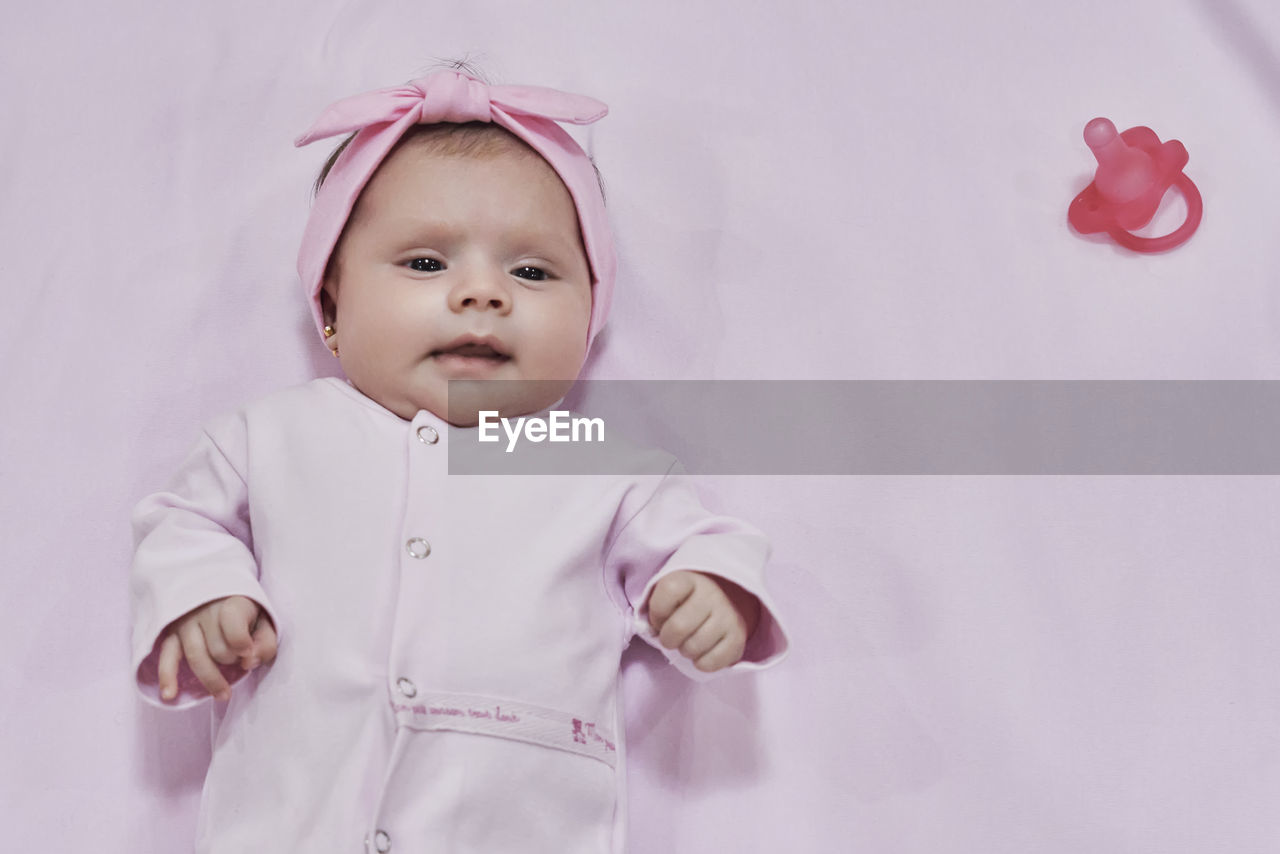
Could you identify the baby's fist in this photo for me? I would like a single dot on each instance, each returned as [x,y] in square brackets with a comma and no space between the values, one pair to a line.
[707,618]
[225,631]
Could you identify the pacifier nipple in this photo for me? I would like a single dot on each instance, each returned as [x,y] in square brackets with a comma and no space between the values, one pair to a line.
[1124,173]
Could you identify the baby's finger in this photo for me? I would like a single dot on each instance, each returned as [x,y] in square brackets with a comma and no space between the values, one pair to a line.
[687,619]
[235,618]
[200,662]
[668,595]
[727,652]
[264,640]
[167,667]
[263,650]
[214,643]
[704,639]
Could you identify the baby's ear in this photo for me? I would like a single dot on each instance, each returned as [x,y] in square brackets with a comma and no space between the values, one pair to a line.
[329,311]
[329,298]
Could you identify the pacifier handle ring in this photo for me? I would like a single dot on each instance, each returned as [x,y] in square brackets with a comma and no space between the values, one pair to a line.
[1195,210]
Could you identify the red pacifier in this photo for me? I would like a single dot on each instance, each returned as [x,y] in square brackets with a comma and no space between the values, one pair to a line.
[1135,170]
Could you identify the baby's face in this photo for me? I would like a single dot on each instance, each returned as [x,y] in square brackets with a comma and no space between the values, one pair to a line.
[461,268]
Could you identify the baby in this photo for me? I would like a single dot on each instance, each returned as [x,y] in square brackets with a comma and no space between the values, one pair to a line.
[425,662]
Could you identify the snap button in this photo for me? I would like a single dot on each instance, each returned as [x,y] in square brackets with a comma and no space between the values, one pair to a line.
[418,547]
[406,687]
[381,841]
[428,435]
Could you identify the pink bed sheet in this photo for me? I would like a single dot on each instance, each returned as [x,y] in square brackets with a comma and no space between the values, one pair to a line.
[821,191]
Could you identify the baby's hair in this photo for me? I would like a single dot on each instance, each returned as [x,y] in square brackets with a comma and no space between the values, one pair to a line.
[469,139]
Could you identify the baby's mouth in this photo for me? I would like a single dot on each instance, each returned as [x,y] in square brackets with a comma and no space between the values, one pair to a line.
[472,350]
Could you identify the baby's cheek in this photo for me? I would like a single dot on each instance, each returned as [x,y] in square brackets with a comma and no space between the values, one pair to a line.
[558,337]
[564,360]
[572,365]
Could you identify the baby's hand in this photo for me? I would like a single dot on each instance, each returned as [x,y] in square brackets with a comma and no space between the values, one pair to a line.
[708,618]
[225,631]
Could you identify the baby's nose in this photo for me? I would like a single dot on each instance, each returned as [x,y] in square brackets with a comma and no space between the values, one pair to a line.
[484,291]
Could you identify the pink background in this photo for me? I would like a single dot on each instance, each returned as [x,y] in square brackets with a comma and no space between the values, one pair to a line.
[814,190]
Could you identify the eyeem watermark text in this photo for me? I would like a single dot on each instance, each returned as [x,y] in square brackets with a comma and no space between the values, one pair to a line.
[561,426]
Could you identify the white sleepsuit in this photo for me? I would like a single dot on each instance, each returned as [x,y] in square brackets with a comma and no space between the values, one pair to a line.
[447,675]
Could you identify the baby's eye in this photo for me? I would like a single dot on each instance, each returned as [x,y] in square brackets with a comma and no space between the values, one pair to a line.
[537,274]
[425,265]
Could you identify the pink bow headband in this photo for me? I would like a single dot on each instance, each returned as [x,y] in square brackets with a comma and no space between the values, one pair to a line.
[384,115]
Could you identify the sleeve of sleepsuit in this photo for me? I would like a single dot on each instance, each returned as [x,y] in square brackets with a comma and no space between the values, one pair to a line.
[192,545]
[673,531]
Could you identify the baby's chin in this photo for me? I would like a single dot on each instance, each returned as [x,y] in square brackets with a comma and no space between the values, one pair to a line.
[467,399]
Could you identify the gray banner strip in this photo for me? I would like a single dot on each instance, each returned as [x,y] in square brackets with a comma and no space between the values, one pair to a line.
[907,427]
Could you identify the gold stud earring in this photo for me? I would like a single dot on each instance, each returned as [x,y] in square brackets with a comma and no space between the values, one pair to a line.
[329,332]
